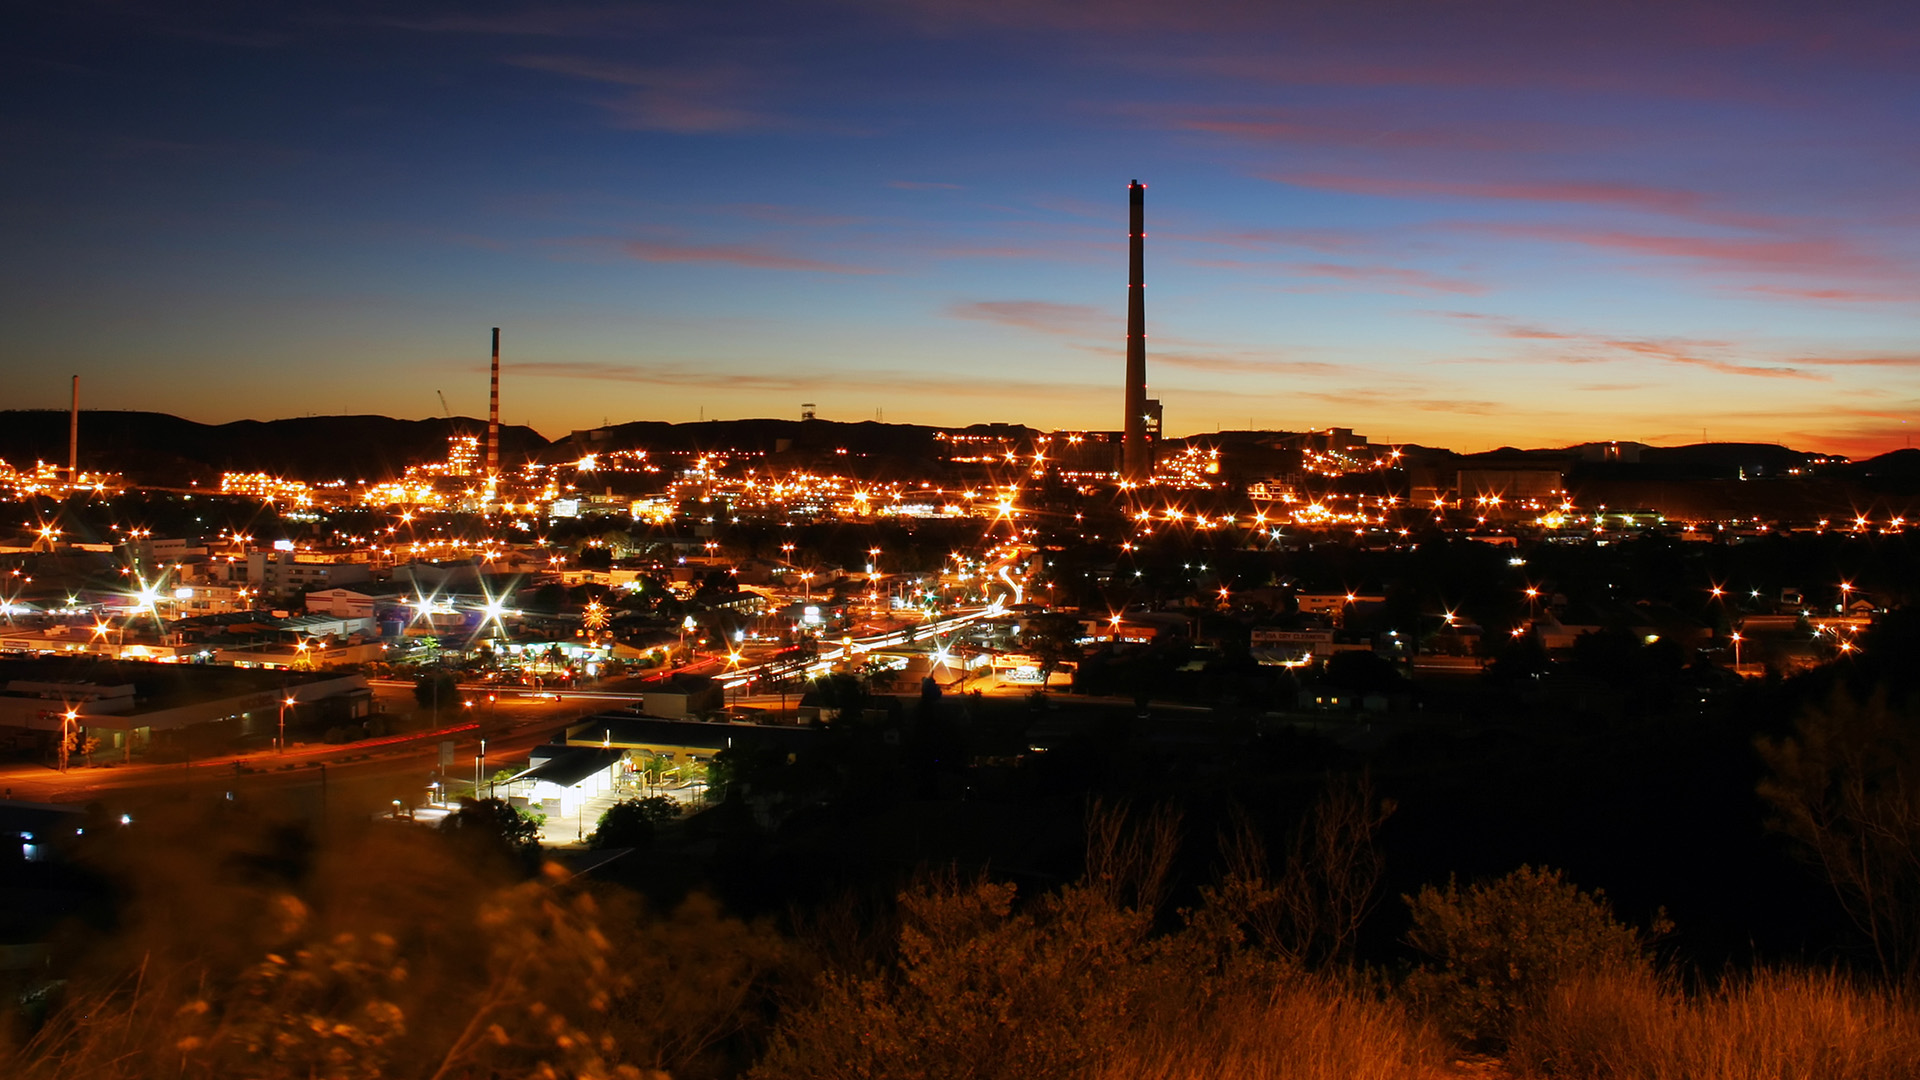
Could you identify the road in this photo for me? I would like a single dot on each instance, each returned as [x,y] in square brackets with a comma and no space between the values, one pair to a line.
[365,776]
[355,777]
[831,653]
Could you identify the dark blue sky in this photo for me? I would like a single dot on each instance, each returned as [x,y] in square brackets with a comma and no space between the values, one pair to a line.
[1455,223]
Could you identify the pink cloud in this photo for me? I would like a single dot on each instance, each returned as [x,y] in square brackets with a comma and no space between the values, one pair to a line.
[1843,296]
[1038,315]
[684,99]
[733,254]
[1792,255]
[1600,348]
[1325,241]
[711,377]
[1241,365]
[1374,130]
[1398,276]
[792,215]
[1673,201]
[1894,360]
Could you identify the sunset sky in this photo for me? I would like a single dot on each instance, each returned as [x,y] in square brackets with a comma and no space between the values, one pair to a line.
[1460,224]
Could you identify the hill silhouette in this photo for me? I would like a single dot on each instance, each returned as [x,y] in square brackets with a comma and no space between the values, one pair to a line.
[162,449]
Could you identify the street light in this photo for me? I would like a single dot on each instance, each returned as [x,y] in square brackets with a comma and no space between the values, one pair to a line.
[67,728]
[285,703]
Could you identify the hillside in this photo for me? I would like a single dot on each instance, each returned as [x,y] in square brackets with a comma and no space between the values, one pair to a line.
[158,448]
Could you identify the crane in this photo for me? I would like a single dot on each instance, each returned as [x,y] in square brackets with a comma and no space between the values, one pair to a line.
[443,404]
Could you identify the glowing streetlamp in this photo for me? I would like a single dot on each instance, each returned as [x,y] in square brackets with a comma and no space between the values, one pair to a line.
[1736,650]
[69,722]
[285,704]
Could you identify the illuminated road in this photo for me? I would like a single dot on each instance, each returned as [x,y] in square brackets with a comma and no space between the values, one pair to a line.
[353,777]
[828,655]
[366,775]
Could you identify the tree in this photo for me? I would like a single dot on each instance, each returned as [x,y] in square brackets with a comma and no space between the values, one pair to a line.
[85,743]
[840,692]
[1053,639]
[1311,911]
[631,822]
[1846,789]
[494,824]
[981,988]
[1499,946]
[436,690]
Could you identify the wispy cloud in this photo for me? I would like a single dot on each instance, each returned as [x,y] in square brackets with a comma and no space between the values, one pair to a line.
[1802,255]
[718,377]
[1409,398]
[1325,241]
[579,20]
[792,215]
[1397,277]
[1892,360]
[1402,280]
[684,99]
[659,375]
[1838,296]
[1038,315]
[922,185]
[734,255]
[1243,364]
[1574,347]
[1350,127]
[1676,202]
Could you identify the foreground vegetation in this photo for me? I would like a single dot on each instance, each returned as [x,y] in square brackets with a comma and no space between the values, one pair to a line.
[263,949]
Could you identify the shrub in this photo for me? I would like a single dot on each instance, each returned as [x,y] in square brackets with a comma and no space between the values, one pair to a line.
[979,990]
[252,947]
[494,826]
[1767,1024]
[1842,789]
[1301,1029]
[631,822]
[1498,947]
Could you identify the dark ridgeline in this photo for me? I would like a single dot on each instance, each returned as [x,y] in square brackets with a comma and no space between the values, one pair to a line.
[1135,455]
[169,451]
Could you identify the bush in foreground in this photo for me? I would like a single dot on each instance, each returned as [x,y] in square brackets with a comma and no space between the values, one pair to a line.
[1499,947]
[260,949]
[1634,1026]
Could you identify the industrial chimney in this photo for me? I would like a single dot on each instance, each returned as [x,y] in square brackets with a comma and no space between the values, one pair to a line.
[493,412]
[1136,456]
[73,436]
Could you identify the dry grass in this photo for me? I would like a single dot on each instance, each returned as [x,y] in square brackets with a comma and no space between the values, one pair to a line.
[1772,1025]
[1304,1030]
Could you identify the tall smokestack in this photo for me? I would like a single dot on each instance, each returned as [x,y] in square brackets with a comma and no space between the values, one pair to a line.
[73,436]
[493,411]
[1135,455]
